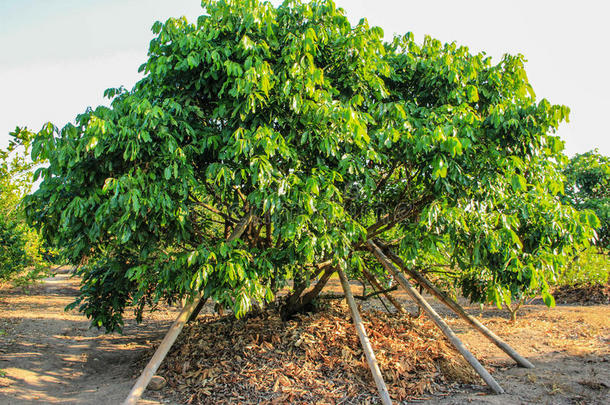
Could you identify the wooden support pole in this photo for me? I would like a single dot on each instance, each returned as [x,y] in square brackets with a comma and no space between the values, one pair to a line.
[197,310]
[154,363]
[364,341]
[493,384]
[379,287]
[189,313]
[457,308]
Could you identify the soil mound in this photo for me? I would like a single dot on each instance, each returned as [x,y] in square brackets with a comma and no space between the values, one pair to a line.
[313,359]
[586,294]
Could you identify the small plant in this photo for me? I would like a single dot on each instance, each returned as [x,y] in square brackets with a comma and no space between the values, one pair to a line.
[590,267]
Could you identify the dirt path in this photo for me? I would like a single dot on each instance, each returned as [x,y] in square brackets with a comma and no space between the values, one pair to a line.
[51,356]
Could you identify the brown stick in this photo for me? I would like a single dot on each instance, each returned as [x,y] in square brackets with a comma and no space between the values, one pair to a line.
[379,287]
[364,341]
[493,384]
[154,363]
[241,227]
[457,308]
[315,291]
[173,332]
[197,310]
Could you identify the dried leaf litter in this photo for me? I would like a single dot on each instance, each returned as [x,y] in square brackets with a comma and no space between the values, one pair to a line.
[314,358]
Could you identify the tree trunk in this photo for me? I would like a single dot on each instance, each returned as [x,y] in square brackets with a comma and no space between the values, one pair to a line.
[514,309]
[197,310]
[297,303]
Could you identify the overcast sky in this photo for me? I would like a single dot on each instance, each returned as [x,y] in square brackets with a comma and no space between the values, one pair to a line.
[58,56]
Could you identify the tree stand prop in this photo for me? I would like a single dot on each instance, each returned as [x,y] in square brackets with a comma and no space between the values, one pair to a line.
[364,341]
[154,363]
[491,382]
[379,287]
[188,314]
[457,308]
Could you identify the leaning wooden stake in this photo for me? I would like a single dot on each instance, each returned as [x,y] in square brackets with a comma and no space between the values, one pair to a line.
[457,308]
[371,278]
[154,363]
[493,384]
[364,341]
[189,312]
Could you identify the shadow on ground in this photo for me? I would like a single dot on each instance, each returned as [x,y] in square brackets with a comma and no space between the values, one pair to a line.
[51,356]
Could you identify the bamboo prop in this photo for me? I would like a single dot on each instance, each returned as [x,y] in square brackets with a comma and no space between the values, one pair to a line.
[379,287]
[493,384]
[364,341]
[457,308]
[189,313]
[154,363]
[197,310]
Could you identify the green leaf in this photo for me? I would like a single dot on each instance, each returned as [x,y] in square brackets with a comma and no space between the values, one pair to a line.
[472,94]
[548,299]
[518,183]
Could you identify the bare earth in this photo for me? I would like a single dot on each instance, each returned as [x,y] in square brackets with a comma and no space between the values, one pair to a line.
[51,356]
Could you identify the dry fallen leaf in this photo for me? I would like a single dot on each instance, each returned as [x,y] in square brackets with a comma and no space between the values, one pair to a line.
[316,358]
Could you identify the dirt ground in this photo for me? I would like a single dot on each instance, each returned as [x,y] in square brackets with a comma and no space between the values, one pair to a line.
[569,346]
[51,356]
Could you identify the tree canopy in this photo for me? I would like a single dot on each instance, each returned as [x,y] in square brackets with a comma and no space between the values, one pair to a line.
[267,144]
[588,187]
[20,245]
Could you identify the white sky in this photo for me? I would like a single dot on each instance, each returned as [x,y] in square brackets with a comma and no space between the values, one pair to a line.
[58,56]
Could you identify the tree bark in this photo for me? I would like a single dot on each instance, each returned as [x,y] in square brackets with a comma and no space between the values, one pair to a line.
[457,343]
[297,302]
[197,310]
[457,308]
[364,341]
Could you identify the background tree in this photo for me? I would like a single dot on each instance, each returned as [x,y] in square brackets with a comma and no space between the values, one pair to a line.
[20,245]
[267,145]
[588,187]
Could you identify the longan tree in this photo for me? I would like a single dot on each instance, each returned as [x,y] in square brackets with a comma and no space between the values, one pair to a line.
[266,145]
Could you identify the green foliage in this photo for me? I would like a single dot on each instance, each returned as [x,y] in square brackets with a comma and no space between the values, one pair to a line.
[20,245]
[303,137]
[590,267]
[12,250]
[588,187]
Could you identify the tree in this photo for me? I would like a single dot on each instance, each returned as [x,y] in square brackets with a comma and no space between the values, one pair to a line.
[267,145]
[19,244]
[588,187]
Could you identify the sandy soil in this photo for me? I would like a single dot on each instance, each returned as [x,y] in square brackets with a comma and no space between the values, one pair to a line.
[51,356]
